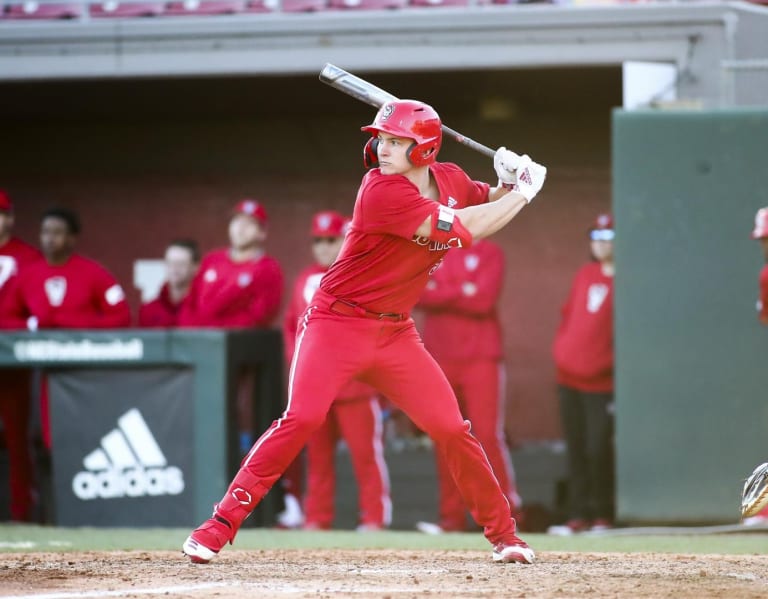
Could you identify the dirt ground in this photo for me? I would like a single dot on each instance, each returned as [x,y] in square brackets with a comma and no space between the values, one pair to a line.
[380,574]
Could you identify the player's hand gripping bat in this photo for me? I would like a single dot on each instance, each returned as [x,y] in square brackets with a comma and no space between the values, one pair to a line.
[375,96]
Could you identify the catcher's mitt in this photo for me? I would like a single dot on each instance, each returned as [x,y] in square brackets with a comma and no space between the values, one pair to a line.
[754,497]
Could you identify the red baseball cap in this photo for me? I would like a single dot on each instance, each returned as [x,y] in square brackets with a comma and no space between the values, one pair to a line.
[602,230]
[761,224]
[327,223]
[252,208]
[5,201]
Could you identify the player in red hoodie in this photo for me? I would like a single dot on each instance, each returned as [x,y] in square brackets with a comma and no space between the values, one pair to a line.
[182,258]
[462,331]
[355,415]
[583,353]
[64,291]
[239,286]
[15,256]
[410,210]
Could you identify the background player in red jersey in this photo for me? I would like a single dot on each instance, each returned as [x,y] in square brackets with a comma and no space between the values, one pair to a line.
[239,286]
[583,352]
[64,291]
[409,211]
[15,256]
[182,258]
[760,232]
[461,330]
[354,416]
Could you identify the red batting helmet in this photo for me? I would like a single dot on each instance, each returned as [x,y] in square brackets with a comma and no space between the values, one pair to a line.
[761,224]
[327,223]
[414,120]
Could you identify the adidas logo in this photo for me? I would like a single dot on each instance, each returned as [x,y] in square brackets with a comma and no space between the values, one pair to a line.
[129,463]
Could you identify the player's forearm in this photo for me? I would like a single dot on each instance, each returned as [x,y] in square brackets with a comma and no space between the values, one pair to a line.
[486,219]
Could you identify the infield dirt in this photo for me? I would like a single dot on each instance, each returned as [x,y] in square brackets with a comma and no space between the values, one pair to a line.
[381,574]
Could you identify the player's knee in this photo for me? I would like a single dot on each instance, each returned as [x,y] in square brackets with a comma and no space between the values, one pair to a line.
[307,421]
[445,431]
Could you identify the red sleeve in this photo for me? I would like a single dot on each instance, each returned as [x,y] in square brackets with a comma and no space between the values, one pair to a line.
[763,302]
[188,309]
[111,310]
[391,204]
[13,309]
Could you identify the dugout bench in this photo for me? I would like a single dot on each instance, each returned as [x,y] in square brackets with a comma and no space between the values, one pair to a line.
[144,422]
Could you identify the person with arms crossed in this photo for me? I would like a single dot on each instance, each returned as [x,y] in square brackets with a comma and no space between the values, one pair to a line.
[355,414]
[15,256]
[182,258]
[754,497]
[64,290]
[583,354]
[410,209]
[461,330]
[240,286]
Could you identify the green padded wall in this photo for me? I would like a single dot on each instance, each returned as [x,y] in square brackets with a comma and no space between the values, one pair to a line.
[691,358]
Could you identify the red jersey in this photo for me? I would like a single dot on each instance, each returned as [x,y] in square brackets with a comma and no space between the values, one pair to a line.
[762,302]
[459,304]
[583,347]
[388,210]
[306,284]
[225,293]
[161,312]
[79,294]
[15,254]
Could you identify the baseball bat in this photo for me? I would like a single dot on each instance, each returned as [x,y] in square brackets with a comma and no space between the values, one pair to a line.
[366,92]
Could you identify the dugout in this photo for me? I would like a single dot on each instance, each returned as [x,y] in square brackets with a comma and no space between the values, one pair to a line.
[143,422]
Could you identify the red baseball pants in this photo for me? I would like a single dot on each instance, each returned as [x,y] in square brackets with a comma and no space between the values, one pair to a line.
[331,349]
[480,387]
[359,422]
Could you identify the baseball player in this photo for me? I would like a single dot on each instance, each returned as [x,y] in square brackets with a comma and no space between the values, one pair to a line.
[461,330]
[583,353]
[355,415]
[64,291]
[15,256]
[182,258]
[410,210]
[239,286]
[754,498]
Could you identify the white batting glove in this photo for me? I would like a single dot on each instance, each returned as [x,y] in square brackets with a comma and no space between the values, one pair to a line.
[505,164]
[530,177]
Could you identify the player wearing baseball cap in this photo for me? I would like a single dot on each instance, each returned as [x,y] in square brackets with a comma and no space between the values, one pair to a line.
[15,257]
[760,232]
[355,415]
[410,210]
[583,353]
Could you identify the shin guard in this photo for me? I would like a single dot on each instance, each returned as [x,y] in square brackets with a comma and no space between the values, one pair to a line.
[244,494]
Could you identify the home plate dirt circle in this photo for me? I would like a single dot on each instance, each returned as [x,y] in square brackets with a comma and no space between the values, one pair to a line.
[380,574]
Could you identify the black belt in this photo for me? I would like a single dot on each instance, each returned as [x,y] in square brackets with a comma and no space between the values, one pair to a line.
[351,309]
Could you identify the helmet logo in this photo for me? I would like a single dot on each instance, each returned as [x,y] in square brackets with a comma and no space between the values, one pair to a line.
[386,112]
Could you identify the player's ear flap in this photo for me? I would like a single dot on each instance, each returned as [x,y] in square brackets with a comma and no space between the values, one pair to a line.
[370,153]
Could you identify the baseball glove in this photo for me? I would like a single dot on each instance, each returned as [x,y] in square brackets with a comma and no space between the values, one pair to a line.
[754,497]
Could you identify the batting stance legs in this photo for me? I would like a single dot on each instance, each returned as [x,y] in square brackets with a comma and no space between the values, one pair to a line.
[390,356]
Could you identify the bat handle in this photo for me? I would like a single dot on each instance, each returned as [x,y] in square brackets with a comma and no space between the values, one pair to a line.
[471,143]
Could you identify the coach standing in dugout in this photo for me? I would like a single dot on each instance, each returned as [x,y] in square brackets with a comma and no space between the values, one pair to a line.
[462,331]
[181,259]
[64,291]
[15,391]
[410,209]
[584,356]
